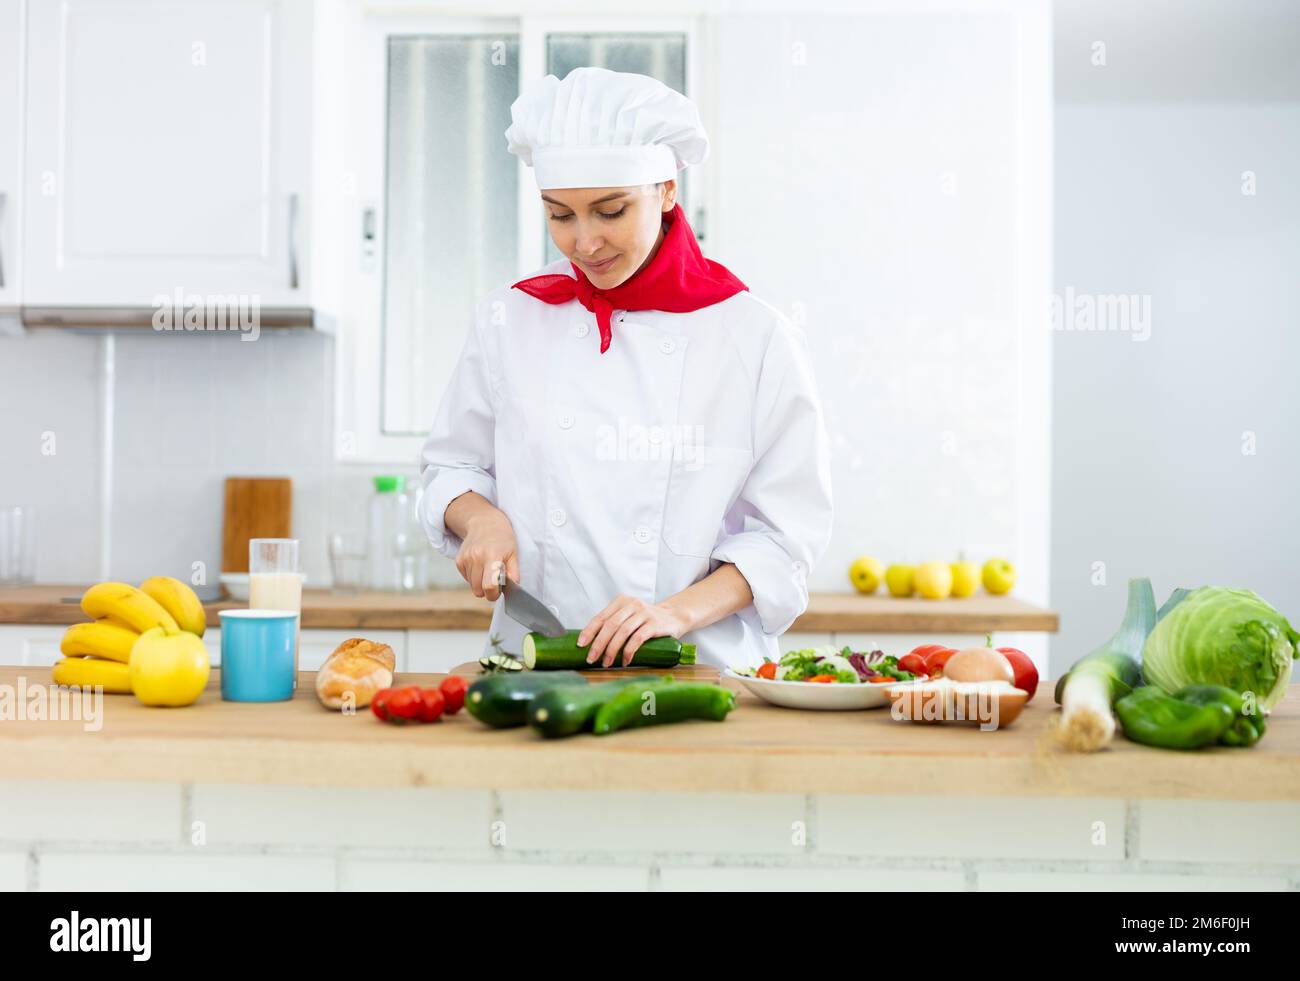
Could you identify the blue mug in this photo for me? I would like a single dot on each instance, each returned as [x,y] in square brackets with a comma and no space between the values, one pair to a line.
[257,662]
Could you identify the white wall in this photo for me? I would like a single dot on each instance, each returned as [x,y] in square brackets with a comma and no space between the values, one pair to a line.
[882,176]
[1149,475]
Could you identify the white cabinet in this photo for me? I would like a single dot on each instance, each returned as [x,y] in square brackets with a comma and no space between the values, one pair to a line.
[11,89]
[167,149]
[438,651]
[36,645]
[31,645]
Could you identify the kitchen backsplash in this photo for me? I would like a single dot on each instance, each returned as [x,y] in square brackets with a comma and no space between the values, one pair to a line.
[189,412]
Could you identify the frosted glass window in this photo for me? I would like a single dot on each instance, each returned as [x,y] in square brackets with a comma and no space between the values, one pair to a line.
[661,56]
[451,209]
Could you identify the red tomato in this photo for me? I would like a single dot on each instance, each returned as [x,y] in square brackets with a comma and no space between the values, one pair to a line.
[1026,673]
[925,650]
[431,705]
[404,704]
[378,704]
[453,692]
[914,663]
[935,660]
[768,670]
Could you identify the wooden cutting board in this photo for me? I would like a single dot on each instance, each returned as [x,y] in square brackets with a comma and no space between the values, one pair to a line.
[256,507]
[704,673]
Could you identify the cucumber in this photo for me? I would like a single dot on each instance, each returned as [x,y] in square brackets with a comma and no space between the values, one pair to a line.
[542,653]
[502,700]
[570,709]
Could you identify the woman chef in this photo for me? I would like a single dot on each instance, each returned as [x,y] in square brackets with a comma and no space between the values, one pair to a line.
[634,435]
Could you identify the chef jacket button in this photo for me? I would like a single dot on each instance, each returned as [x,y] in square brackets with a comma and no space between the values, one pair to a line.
[581,329]
[642,534]
[554,609]
[667,346]
[798,568]
[558,517]
[566,420]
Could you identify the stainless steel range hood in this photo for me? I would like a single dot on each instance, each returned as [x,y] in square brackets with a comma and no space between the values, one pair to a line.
[134,319]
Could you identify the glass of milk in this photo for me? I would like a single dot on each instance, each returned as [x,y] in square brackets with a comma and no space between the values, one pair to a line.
[274,582]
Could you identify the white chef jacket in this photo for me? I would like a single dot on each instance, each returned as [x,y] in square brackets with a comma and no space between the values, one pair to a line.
[696,439]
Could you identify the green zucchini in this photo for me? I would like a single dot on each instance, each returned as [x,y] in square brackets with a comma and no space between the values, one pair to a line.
[501,700]
[542,653]
[570,709]
[500,662]
[662,703]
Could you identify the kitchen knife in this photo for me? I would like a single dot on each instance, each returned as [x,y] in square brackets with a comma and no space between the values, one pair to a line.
[525,608]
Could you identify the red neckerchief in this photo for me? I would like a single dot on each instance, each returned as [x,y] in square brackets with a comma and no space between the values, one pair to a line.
[678,280]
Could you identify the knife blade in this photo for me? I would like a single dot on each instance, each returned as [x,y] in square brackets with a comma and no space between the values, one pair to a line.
[525,608]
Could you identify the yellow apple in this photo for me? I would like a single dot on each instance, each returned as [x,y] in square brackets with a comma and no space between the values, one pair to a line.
[934,580]
[999,576]
[965,578]
[168,668]
[899,579]
[865,574]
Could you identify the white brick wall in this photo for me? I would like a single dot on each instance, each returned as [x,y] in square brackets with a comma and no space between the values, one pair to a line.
[713,824]
[808,880]
[940,827]
[13,871]
[1124,882]
[310,816]
[389,876]
[142,871]
[96,836]
[102,812]
[1220,831]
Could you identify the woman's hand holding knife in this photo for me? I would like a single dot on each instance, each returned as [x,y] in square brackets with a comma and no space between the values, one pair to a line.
[487,543]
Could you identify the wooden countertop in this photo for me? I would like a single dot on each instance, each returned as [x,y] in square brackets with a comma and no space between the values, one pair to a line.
[758,749]
[460,610]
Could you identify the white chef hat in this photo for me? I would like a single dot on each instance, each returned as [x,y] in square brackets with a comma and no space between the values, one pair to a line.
[599,128]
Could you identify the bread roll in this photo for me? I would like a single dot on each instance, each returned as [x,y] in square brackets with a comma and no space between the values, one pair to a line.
[362,667]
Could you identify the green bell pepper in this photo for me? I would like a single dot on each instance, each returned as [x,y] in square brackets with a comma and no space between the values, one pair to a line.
[1194,716]
[1246,728]
[1154,718]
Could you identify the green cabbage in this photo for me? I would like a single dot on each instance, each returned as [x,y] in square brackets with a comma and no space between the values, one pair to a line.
[1220,636]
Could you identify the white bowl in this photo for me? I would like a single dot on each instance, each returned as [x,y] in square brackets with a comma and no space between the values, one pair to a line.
[816,696]
[236,584]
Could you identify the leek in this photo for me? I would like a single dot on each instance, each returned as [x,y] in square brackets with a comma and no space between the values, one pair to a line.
[1090,688]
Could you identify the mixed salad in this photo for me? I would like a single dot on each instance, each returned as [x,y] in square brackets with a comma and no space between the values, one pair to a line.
[832,665]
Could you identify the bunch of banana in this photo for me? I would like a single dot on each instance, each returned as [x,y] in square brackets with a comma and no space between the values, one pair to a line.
[99,652]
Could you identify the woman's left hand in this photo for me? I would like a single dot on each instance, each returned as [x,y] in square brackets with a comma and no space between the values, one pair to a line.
[625,625]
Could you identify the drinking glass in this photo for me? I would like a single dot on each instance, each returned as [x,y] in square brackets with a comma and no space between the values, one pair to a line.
[274,582]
